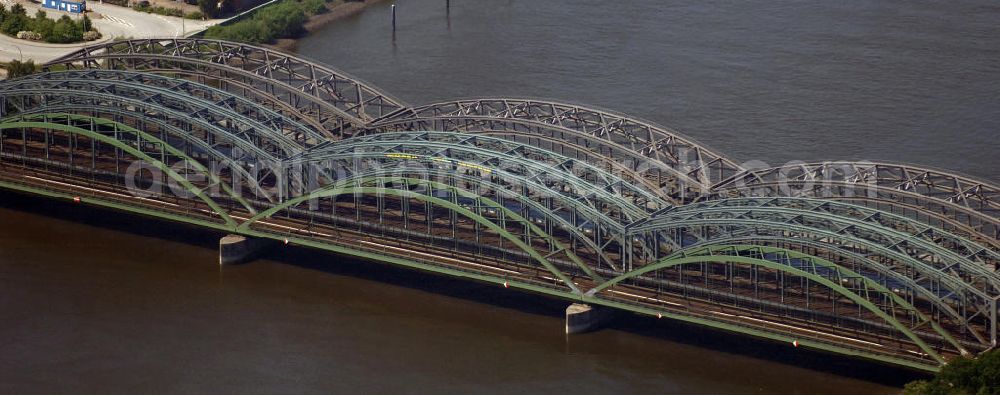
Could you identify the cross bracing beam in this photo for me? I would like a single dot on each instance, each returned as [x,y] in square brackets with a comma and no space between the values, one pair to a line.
[347,93]
[695,165]
[402,187]
[258,123]
[638,200]
[883,241]
[602,201]
[702,228]
[961,199]
[275,114]
[574,207]
[575,185]
[985,254]
[970,268]
[235,160]
[114,139]
[875,269]
[658,178]
[819,270]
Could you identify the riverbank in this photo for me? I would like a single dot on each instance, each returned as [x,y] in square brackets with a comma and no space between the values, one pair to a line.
[336,10]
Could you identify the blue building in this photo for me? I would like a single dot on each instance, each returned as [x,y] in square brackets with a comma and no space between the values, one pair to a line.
[66,5]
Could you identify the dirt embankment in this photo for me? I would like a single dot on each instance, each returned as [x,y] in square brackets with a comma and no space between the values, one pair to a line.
[336,10]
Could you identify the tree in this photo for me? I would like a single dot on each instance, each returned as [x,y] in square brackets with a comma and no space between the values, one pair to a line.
[44,27]
[963,376]
[65,31]
[209,7]
[40,15]
[17,69]
[86,24]
[15,22]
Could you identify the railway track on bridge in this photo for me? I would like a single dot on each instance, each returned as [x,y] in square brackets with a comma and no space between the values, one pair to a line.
[890,262]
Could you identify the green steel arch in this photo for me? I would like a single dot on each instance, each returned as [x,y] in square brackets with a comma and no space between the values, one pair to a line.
[981,303]
[611,194]
[281,119]
[166,127]
[889,238]
[181,105]
[14,124]
[351,186]
[710,254]
[860,260]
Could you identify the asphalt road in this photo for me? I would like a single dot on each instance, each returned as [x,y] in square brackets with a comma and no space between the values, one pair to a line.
[115,21]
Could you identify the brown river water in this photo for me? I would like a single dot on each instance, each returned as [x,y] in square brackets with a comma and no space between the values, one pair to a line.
[96,302]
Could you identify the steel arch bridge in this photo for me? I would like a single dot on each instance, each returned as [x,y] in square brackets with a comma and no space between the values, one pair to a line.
[892,262]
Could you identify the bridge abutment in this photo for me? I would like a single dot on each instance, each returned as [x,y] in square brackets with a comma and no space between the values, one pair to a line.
[236,249]
[582,318]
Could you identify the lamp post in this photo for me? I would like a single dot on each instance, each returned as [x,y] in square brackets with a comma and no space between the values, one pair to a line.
[19,53]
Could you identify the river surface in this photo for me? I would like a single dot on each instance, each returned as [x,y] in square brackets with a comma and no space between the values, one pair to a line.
[91,301]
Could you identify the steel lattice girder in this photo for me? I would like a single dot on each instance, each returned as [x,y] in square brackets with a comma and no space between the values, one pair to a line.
[516,167]
[112,133]
[885,275]
[362,102]
[526,206]
[975,293]
[430,191]
[695,165]
[236,160]
[888,239]
[653,176]
[27,97]
[959,199]
[585,219]
[253,104]
[855,286]
[189,99]
[639,199]
[961,246]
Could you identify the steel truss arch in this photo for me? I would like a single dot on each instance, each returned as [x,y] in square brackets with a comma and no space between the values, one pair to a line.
[581,221]
[962,199]
[124,115]
[585,152]
[831,276]
[951,243]
[861,263]
[658,178]
[530,208]
[967,295]
[358,185]
[638,200]
[248,119]
[347,93]
[577,194]
[883,238]
[277,116]
[695,165]
[8,123]
[24,100]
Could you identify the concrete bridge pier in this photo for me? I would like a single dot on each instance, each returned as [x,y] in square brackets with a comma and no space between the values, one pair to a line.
[236,249]
[582,318]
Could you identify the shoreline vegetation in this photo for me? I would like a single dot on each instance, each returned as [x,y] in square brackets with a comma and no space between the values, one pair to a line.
[16,23]
[159,10]
[281,24]
[962,376]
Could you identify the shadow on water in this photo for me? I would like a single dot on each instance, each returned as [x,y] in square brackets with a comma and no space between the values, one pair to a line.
[668,330]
